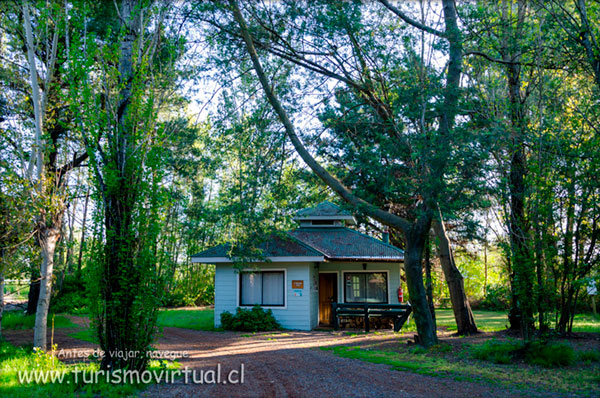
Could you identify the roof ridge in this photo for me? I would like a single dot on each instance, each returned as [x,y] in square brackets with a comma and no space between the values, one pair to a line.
[302,243]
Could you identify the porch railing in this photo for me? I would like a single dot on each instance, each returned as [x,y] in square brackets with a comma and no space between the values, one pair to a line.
[399,313]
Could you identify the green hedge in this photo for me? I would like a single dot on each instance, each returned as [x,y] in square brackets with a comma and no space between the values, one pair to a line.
[245,320]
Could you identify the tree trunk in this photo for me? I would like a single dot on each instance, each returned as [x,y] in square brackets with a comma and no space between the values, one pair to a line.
[34,291]
[521,278]
[465,322]
[1,296]
[71,223]
[48,238]
[120,273]
[416,231]
[413,267]
[85,208]
[428,280]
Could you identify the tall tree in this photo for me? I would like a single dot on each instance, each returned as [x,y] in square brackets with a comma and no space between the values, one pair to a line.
[39,133]
[421,164]
[119,115]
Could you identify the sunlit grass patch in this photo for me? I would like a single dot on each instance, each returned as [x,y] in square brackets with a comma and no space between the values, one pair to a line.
[488,321]
[200,319]
[586,323]
[12,320]
[580,379]
[18,359]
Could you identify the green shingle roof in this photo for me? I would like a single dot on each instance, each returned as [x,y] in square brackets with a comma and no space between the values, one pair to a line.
[274,246]
[339,243]
[329,243]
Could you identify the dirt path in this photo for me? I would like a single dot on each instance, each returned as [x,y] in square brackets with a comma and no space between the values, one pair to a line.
[290,365]
[281,365]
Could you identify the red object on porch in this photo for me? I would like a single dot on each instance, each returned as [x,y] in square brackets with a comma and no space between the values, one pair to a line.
[400,295]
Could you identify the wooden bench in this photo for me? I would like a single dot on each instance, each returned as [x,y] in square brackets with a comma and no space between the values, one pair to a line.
[399,312]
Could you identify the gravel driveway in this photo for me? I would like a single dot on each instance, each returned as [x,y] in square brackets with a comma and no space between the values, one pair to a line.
[283,365]
[291,365]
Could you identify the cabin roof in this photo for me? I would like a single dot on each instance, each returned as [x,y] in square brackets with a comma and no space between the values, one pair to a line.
[277,246]
[322,243]
[325,211]
[340,243]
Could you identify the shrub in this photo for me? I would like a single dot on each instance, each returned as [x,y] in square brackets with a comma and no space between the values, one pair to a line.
[497,298]
[549,355]
[540,353]
[501,352]
[589,356]
[245,320]
[72,297]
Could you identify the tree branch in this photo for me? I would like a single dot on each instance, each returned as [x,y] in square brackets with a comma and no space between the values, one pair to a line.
[411,21]
[335,184]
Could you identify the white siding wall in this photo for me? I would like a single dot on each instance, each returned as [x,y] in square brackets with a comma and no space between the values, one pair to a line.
[393,275]
[314,297]
[300,312]
[297,312]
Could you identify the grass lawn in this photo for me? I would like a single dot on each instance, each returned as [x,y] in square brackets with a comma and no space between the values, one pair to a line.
[196,319]
[18,320]
[489,321]
[14,361]
[581,379]
[493,321]
[459,360]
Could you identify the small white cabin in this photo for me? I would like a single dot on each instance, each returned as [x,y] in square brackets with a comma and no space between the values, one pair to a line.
[320,262]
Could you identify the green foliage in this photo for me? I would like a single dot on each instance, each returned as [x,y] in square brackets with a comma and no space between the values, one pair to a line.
[12,320]
[193,285]
[542,353]
[18,359]
[497,298]
[72,297]
[201,319]
[548,354]
[127,267]
[249,320]
[500,352]
[589,356]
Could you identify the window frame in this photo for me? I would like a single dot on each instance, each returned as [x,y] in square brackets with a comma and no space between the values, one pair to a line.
[387,283]
[262,270]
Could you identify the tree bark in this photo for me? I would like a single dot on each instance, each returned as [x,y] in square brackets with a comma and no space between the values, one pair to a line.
[48,238]
[589,41]
[34,291]
[521,312]
[413,267]
[1,295]
[85,208]
[120,273]
[465,322]
[428,280]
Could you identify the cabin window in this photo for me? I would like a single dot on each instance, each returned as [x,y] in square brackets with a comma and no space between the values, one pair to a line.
[365,287]
[264,288]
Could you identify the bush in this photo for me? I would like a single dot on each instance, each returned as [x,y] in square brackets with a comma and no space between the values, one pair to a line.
[497,298]
[502,352]
[589,356]
[194,287]
[549,355]
[542,353]
[72,297]
[245,320]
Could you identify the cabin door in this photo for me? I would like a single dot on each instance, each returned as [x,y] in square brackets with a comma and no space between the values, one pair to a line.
[327,295]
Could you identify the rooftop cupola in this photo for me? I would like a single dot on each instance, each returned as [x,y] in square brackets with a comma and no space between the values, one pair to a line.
[325,214]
